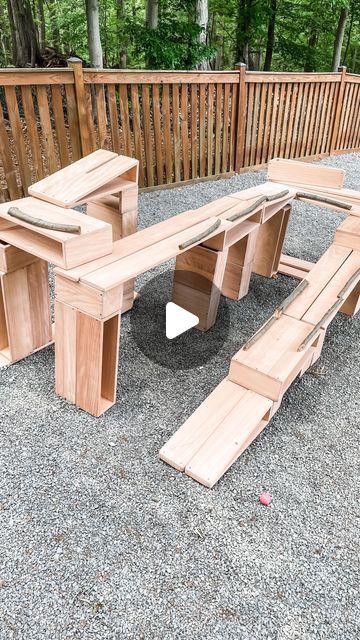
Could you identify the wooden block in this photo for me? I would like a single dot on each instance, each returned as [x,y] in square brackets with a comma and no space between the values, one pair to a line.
[232,436]
[352,304]
[24,311]
[58,247]
[197,281]
[108,213]
[12,258]
[294,267]
[185,442]
[129,199]
[86,358]
[128,296]
[128,222]
[348,233]
[295,172]
[87,178]
[236,281]
[271,364]
[269,245]
[90,300]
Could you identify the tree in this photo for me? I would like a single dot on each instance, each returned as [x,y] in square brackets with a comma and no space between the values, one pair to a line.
[152,13]
[24,38]
[270,35]
[93,28]
[202,18]
[339,38]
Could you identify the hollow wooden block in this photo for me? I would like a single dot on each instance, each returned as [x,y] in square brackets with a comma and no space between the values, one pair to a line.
[86,358]
[270,241]
[197,282]
[25,322]
[273,362]
[352,304]
[348,233]
[238,267]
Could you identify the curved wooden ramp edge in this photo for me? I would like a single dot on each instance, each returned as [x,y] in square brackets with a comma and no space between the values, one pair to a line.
[240,407]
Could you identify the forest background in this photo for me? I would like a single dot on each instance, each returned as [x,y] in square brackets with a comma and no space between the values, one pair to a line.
[276,35]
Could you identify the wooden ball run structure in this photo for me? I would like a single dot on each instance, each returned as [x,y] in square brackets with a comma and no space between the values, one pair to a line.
[217,247]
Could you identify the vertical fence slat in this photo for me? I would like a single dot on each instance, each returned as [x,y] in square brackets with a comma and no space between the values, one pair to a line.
[260,136]
[113,117]
[135,109]
[194,131]
[167,133]
[176,129]
[31,124]
[225,134]
[157,134]
[73,122]
[101,115]
[58,112]
[355,119]
[202,127]
[125,119]
[185,130]
[49,148]
[322,119]
[232,134]
[147,136]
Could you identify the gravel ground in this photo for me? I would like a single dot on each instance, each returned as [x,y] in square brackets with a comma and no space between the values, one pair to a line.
[101,540]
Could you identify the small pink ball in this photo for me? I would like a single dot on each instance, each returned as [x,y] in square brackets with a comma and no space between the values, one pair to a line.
[265,498]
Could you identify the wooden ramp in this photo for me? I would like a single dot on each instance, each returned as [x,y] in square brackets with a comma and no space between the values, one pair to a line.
[240,407]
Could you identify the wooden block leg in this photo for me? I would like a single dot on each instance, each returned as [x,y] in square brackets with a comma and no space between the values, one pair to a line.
[25,323]
[197,281]
[352,304]
[238,268]
[270,242]
[86,358]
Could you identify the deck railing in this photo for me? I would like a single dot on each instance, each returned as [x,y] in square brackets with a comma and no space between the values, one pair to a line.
[181,125]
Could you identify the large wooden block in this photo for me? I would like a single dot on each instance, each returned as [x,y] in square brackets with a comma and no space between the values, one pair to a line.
[270,242]
[348,233]
[90,300]
[25,323]
[197,282]
[270,365]
[12,258]
[295,172]
[86,358]
[238,268]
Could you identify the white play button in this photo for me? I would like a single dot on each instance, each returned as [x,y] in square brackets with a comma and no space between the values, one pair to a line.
[178,320]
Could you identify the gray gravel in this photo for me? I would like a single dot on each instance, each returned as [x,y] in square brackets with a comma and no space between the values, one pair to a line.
[100,540]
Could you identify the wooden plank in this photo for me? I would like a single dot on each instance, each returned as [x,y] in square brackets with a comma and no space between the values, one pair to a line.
[348,233]
[48,148]
[17,306]
[31,124]
[184,131]
[241,118]
[11,77]
[232,436]
[267,122]
[148,143]
[278,149]
[270,241]
[7,162]
[255,124]
[136,125]
[297,118]
[84,108]
[312,136]
[202,127]
[58,113]
[291,120]
[249,121]
[101,116]
[108,76]
[272,133]
[225,132]
[73,121]
[17,133]
[167,133]
[304,173]
[157,135]
[114,123]
[321,125]
[210,129]
[176,131]
[261,132]
[194,132]
[89,350]
[191,436]
[39,320]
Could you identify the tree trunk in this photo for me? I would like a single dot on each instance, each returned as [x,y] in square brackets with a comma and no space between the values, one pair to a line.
[270,36]
[4,40]
[25,45]
[152,13]
[243,31]
[42,29]
[309,65]
[339,39]
[55,33]
[354,59]
[202,18]
[121,38]
[93,27]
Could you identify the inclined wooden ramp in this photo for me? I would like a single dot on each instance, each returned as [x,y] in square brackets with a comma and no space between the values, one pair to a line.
[240,407]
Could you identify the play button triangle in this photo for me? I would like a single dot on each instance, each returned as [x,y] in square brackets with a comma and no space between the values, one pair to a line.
[178,320]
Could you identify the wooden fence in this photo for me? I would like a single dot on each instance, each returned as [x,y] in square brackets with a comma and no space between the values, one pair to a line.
[180,125]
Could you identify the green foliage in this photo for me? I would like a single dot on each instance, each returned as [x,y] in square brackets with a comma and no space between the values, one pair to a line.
[304,33]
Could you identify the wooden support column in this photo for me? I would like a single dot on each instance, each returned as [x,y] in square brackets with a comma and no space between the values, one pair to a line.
[352,304]
[86,358]
[270,243]
[25,323]
[239,266]
[197,282]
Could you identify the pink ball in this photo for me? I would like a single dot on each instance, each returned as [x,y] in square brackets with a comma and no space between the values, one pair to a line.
[265,498]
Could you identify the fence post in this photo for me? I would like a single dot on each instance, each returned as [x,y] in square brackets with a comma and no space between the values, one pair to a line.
[339,108]
[83,105]
[241,116]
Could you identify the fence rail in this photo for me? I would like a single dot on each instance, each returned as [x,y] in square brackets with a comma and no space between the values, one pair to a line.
[180,125]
